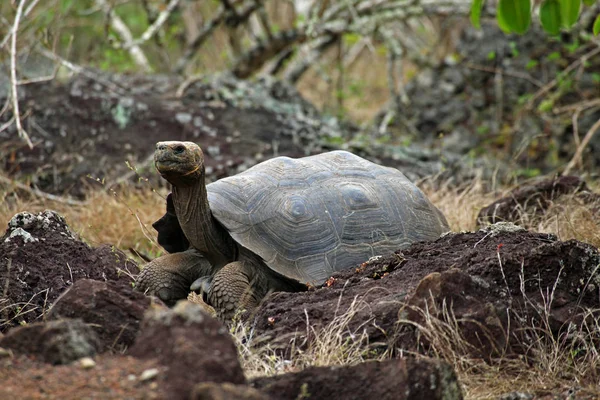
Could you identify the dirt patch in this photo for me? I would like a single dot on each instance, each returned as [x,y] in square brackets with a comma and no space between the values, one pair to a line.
[193,346]
[40,258]
[502,266]
[113,310]
[112,377]
[55,342]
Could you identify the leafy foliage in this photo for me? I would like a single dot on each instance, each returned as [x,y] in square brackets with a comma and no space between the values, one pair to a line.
[514,16]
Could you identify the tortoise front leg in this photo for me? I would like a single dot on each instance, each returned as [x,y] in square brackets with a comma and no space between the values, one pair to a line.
[169,277]
[231,290]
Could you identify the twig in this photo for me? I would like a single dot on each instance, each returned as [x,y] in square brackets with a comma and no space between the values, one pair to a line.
[582,105]
[13,76]
[264,20]
[199,40]
[257,56]
[5,106]
[117,23]
[152,29]
[83,71]
[39,193]
[575,122]
[308,57]
[7,124]
[578,153]
[514,74]
[70,272]
[14,29]
[554,82]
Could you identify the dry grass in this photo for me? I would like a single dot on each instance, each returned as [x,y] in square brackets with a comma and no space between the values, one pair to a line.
[569,217]
[558,364]
[333,344]
[123,217]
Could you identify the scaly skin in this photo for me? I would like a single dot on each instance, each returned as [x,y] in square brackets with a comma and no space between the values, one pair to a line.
[169,277]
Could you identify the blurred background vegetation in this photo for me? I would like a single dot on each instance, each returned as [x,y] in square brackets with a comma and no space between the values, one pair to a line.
[352,41]
[361,61]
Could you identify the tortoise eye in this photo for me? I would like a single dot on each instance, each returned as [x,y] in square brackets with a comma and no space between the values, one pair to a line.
[179,149]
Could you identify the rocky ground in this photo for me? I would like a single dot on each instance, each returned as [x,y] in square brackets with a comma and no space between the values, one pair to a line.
[73,327]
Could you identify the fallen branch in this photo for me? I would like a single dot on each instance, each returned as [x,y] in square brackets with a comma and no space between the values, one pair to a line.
[38,193]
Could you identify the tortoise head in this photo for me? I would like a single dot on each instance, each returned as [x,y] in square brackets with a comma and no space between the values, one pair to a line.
[180,163]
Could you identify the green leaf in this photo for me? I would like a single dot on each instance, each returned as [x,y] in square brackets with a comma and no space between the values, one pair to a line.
[596,28]
[502,23]
[516,14]
[531,64]
[589,2]
[546,105]
[569,12]
[550,16]
[476,7]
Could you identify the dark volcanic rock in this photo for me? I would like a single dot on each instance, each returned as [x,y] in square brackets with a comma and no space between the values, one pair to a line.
[55,342]
[397,379]
[114,310]
[535,198]
[90,127]
[40,258]
[194,346]
[226,391]
[480,317]
[97,126]
[482,273]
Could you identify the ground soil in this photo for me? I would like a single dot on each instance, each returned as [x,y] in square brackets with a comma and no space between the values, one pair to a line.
[482,274]
[485,277]
[113,377]
[43,259]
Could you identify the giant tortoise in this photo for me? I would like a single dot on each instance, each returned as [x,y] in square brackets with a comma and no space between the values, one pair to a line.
[279,226]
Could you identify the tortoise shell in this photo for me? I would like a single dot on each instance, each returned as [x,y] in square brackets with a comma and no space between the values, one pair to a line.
[311,216]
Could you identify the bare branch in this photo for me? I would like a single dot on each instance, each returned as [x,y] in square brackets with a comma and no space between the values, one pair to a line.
[514,74]
[13,76]
[264,20]
[310,53]
[13,29]
[118,25]
[261,53]
[156,25]
[199,40]
[581,60]
[83,71]
[579,152]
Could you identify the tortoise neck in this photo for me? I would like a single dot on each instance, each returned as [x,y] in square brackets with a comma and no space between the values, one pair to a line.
[203,231]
